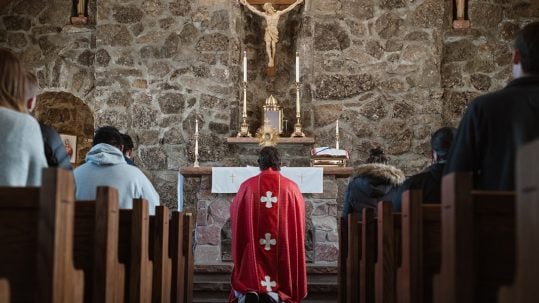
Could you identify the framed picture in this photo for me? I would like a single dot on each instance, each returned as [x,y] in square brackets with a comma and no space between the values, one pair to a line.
[70,143]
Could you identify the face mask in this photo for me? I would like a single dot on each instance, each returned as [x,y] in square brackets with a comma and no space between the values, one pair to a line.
[517,71]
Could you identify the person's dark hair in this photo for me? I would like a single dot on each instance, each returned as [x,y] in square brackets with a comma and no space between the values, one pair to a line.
[527,42]
[376,155]
[441,140]
[127,142]
[269,158]
[32,86]
[12,82]
[109,135]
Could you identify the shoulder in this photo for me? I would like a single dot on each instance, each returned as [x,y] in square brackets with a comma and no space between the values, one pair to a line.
[376,170]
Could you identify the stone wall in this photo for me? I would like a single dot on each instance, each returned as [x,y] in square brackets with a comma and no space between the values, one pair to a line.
[391,71]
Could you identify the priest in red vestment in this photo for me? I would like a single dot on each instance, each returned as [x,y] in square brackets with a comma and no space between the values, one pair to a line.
[268,236]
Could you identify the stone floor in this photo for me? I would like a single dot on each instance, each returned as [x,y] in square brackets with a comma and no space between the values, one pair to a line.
[212,283]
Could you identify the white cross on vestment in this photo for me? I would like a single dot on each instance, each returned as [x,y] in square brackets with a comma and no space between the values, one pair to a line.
[268,199]
[268,283]
[268,241]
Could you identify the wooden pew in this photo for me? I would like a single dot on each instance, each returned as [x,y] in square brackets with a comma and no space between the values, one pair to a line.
[188,258]
[160,256]
[350,257]
[96,247]
[368,256]
[388,253]
[420,252]
[133,251]
[4,291]
[525,289]
[478,234]
[36,232]
[342,261]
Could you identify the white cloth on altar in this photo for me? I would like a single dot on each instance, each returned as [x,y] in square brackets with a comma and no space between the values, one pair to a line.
[229,179]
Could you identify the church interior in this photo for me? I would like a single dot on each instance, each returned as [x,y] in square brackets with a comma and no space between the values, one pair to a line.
[189,81]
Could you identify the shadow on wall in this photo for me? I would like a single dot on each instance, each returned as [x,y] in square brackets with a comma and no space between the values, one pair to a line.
[70,116]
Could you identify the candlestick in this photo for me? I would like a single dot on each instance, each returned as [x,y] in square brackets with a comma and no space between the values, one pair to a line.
[297,67]
[298,132]
[337,134]
[196,144]
[244,127]
[244,66]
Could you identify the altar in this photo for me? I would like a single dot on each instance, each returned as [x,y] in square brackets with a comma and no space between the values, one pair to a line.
[212,227]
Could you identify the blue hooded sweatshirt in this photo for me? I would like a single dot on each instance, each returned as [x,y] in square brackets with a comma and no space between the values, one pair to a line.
[105,166]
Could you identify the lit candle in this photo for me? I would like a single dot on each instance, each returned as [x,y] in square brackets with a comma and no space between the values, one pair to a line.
[297,67]
[244,66]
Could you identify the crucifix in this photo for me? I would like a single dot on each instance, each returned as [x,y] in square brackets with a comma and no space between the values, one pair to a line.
[460,22]
[272,16]
[79,12]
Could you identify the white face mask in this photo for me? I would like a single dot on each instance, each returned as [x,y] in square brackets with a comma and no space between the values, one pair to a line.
[517,71]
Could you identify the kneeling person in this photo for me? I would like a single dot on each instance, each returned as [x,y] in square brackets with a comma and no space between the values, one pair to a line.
[105,166]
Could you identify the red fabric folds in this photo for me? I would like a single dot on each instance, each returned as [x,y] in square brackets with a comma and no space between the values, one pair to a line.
[268,237]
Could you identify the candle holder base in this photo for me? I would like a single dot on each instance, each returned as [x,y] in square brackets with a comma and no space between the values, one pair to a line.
[244,130]
[196,164]
[297,131]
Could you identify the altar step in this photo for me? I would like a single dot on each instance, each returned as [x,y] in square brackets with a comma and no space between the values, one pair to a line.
[212,283]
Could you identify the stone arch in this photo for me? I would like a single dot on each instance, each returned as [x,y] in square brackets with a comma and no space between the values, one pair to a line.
[68,115]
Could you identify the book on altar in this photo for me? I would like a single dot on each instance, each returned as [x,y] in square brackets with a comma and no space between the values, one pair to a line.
[324,152]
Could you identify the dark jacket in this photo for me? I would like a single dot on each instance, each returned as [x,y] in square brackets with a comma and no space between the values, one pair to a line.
[494,126]
[55,151]
[370,184]
[429,181]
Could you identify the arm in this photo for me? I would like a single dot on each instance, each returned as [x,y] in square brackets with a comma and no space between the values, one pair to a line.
[291,7]
[252,8]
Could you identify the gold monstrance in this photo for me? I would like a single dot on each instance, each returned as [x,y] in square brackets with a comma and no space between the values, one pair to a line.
[273,114]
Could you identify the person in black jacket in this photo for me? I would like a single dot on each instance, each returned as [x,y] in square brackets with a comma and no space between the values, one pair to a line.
[372,182]
[495,125]
[55,151]
[430,180]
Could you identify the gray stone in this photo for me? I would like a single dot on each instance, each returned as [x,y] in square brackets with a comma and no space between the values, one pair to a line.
[219,20]
[208,235]
[180,7]
[144,116]
[172,103]
[461,50]
[159,69]
[219,211]
[392,4]
[417,36]
[480,81]
[122,99]
[326,252]
[374,49]
[360,9]
[114,35]
[388,25]
[17,40]
[17,23]
[127,14]
[102,57]
[402,110]
[341,87]
[374,110]
[173,136]
[430,14]
[326,114]
[86,58]
[188,34]
[153,157]
[219,128]
[213,42]
[330,36]
[486,15]
[137,29]
[149,52]
[213,103]
[170,48]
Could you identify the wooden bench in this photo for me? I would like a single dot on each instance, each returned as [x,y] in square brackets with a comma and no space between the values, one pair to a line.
[160,255]
[478,235]
[388,253]
[524,288]
[420,249]
[181,250]
[36,232]
[96,247]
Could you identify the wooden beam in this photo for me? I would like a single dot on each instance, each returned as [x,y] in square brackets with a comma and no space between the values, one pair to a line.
[278,2]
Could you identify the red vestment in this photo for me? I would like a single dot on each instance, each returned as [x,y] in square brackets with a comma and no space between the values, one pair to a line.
[268,237]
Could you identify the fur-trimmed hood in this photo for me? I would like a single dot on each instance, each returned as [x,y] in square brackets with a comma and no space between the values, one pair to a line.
[394,175]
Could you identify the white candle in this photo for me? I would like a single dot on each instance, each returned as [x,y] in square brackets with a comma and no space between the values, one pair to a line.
[297,67]
[337,134]
[244,113]
[244,66]
[196,137]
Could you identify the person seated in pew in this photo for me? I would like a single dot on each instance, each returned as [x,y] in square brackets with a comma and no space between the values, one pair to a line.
[430,180]
[372,182]
[55,151]
[22,157]
[495,125]
[128,149]
[267,219]
[105,166]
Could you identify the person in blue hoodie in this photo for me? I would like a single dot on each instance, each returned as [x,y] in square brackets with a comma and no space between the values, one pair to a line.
[105,166]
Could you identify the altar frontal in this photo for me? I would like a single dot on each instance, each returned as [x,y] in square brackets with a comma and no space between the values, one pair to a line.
[227,180]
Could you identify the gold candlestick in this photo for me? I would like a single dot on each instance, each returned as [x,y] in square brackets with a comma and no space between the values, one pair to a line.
[297,127]
[196,145]
[244,127]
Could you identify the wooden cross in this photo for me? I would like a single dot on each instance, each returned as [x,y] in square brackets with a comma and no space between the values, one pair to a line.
[278,4]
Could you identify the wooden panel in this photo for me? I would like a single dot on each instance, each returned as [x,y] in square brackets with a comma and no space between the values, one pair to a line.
[385,267]
[368,256]
[338,172]
[352,253]
[188,223]
[161,260]
[4,291]
[140,283]
[178,260]
[281,2]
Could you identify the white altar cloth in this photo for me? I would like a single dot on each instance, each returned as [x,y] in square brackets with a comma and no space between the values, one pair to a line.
[229,179]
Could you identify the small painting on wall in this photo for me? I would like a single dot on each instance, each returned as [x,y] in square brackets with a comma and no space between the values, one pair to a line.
[70,143]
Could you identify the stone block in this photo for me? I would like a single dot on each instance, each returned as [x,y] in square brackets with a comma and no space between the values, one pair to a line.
[325,223]
[330,36]
[127,14]
[480,81]
[389,25]
[485,15]
[219,210]
[208,235]
[17,23]
[213,43]
[171,103]
[339,87]
[374,110]
[207,254]
[326,252]
[153,157]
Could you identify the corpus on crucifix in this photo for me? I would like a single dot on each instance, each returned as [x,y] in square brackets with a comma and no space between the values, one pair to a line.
[272,16]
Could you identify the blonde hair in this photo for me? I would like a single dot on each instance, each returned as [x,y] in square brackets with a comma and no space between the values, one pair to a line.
[12,82]
[31,87]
